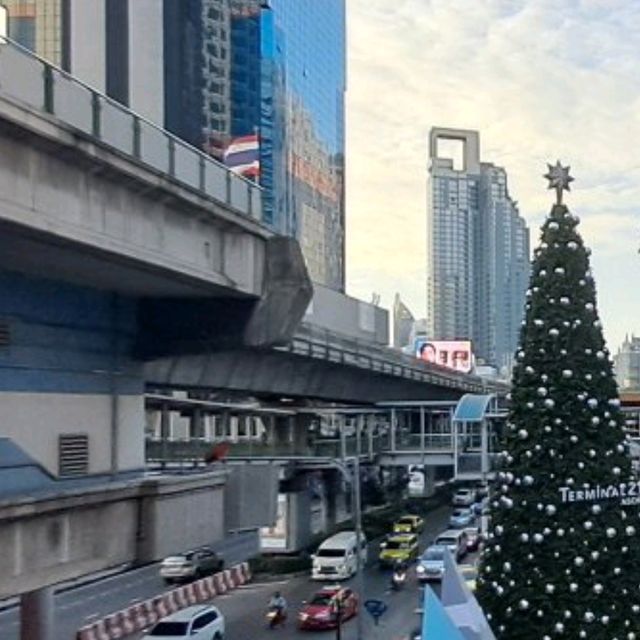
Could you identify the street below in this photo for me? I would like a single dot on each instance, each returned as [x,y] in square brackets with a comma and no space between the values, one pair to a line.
[244,609]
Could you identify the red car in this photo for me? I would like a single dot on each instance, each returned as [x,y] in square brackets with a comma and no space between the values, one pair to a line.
[321,612]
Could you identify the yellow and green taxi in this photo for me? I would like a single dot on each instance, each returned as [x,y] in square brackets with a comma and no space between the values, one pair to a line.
[408,524]
[398,547]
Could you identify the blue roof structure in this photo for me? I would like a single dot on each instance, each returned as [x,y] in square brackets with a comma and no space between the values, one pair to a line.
[472,408]
[436,624]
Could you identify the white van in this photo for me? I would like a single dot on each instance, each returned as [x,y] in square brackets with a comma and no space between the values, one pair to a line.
[336,559]
[456,540]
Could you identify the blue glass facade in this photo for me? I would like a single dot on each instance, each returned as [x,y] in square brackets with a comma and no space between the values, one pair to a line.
[288,78]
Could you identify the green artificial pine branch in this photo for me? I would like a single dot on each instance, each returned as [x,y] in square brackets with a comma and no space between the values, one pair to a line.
[552,569]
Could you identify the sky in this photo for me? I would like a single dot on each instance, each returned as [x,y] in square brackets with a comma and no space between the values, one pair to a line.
[540,80]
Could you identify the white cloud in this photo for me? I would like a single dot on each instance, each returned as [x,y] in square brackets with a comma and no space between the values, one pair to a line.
[540,80]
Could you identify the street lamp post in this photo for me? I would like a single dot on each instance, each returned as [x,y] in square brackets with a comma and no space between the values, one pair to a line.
[358,525]
[353,477]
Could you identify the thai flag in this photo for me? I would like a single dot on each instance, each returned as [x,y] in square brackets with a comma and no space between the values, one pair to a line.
[242,156]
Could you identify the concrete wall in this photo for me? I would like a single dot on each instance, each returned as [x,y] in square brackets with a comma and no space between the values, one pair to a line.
[34,422]
[52,539]
[180,513]
[43,543]
[61,367]
[336,312]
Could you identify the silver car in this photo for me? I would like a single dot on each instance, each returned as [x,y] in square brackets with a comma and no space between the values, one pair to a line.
[190,565]
[431,564]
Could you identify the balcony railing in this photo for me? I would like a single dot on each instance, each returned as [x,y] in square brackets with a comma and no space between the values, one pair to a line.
[25,78]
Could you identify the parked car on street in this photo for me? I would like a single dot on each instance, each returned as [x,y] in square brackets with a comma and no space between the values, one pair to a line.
[321,612]
[461,518]
[408,524]
[398,547]
[190,565]
[463,498]
[200,622]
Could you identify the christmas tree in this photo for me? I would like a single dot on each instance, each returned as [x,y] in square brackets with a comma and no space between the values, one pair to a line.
[562,559]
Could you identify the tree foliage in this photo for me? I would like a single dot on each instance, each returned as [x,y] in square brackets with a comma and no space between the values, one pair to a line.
[562,560]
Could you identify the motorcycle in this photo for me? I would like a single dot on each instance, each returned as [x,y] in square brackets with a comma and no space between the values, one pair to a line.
[275,617]
[398,578]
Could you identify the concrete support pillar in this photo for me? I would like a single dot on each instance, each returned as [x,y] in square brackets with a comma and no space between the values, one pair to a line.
[455,448]
[196,426]
[484,450]
[281,434]
[165,427]
[394,421]
[429,481]
[36,615]
[370,424]
[343,437]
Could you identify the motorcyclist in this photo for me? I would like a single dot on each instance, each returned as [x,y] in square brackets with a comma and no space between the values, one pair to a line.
[279,605]
[399,574]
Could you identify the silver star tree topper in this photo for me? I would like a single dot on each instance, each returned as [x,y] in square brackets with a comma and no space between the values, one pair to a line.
[559,179]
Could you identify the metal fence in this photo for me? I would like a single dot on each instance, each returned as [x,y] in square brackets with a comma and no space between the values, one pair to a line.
[318,343]
[25,78]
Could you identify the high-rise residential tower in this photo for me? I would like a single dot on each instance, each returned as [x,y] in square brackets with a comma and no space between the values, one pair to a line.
[477,251]
[627,363]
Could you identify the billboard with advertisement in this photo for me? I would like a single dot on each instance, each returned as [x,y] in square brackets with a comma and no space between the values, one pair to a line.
[454,354]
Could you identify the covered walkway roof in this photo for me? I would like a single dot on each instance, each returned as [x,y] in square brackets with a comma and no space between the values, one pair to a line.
[472,408]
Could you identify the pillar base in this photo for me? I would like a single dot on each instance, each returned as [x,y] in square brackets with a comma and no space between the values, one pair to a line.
[36,615]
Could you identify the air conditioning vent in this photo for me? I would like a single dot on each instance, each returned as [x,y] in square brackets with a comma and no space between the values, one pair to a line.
[5,334]
[73,454]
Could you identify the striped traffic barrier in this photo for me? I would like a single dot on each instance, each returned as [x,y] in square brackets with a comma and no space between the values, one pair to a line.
[161,606]
[211,586]
[237,575]
[180,595]
[101,631]
[221,585]
[228,579]
[125,621]
[138,616]
[201,589]
[150,612]
[113,626]
[88,632]
[171,602]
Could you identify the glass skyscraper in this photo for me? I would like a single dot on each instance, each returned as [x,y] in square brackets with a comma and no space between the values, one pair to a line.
[236,68]
[288,80]
[477,252]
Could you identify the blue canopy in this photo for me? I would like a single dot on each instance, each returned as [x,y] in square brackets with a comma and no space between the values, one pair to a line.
[436,624]
[472,408]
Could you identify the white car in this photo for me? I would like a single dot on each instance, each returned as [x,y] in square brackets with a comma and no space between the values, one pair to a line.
[190,565]
[464,498]
[200,622]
